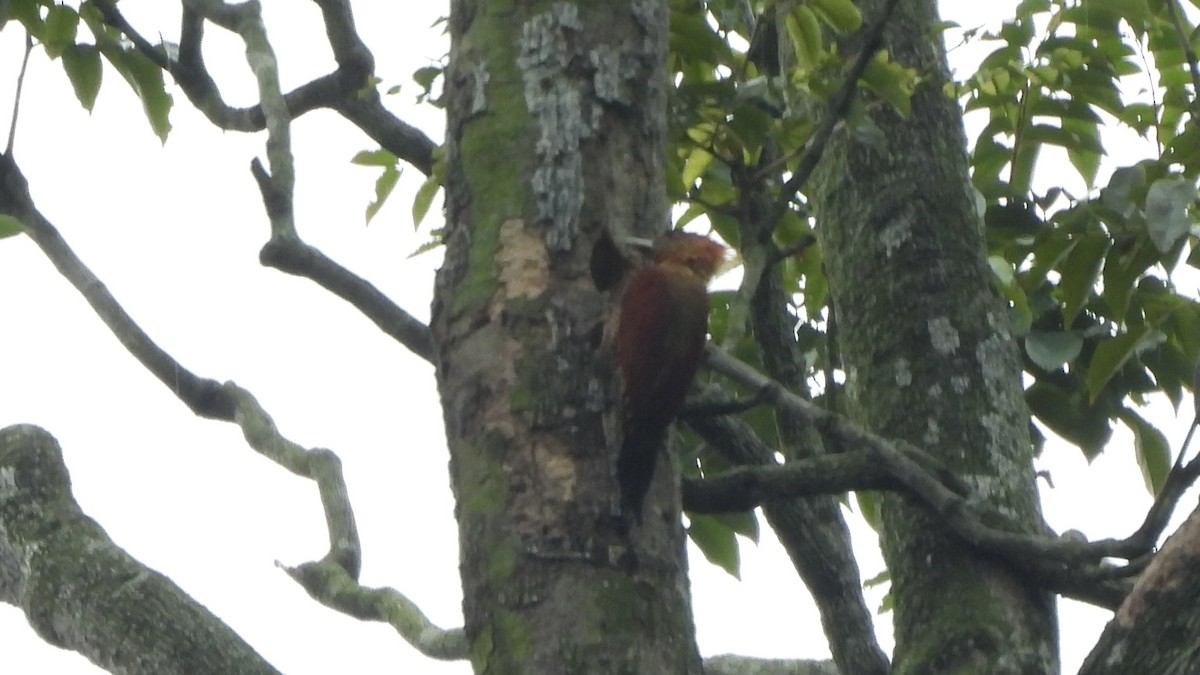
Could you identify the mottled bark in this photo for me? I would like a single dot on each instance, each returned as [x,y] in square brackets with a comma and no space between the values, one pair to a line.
[1155,629]
[556,132]
[80,591]
[929,359]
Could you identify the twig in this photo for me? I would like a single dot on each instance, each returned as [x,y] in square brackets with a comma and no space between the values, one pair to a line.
[1179,479]
[12,127]
[834,112]
[1173,12]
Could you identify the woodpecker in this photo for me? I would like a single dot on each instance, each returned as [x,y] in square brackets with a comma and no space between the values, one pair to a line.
[661,329]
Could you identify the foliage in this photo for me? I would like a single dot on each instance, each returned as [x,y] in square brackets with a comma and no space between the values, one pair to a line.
[1104,327]
[56,27]
[1087,273]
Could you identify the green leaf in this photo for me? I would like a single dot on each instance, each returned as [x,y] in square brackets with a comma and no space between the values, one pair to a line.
[716,541]
[805,32]
[1067,413]
[146,80]
[1012,291]
[891,81]
[842,15]
[868,504]
[1152,450]
[26,11]
[744,523]
[1121,186]
[9,226]
[1079,272]
[380,157]
[424,198]
[1122,270]
[692,37]
[435,242]
[425,76]
[82,64]
[693,212]
[1167,201]
[61,24]
[697,162]
[383,188]
[1050,350]
[1111,355]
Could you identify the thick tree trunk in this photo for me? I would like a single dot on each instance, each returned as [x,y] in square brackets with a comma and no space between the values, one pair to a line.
[556,131]
[929,359]
[82,592]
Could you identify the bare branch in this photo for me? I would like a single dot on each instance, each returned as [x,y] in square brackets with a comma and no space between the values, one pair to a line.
[207,398]
[296,257]
[342,90]
[730,664]
[745,487]
[331,586]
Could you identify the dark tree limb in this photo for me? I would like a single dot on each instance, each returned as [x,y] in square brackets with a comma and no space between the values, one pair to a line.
[1073,568]
[1154,629]
[813,531]
[344,90]
[81,591]
[771,486]
[296,257]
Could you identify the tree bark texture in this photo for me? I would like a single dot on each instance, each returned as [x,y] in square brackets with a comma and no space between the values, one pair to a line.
[929,358]
[82,592]
[556,134]
[1154,630]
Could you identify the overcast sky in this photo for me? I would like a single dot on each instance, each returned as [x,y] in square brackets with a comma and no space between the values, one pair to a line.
[174,232]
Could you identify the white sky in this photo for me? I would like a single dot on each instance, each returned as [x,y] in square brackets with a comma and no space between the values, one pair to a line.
[174,232]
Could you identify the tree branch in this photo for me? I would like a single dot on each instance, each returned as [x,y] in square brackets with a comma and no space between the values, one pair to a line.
[729,664]
[342,90]
[1073,568]
[1144,636]
[331,586]
[839,104]
[294,256]
[80,591]
[205,397]
[746,487]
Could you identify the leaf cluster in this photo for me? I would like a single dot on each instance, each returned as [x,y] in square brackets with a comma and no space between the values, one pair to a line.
[79,39]
[1090,277]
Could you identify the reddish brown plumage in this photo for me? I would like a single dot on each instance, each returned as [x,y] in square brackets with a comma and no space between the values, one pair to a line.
[660,338]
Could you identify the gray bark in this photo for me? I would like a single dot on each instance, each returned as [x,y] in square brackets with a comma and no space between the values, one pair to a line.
[929,359]
[80,591]
[556,134]
[1154,630]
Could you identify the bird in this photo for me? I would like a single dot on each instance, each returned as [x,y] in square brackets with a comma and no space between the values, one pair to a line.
[662,326]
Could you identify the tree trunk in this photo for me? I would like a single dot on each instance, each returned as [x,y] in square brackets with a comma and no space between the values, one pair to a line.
[80,591]
[556,132]
[928,357]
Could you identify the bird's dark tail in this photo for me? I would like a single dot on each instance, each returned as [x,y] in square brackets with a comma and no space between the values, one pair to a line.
[635,465]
